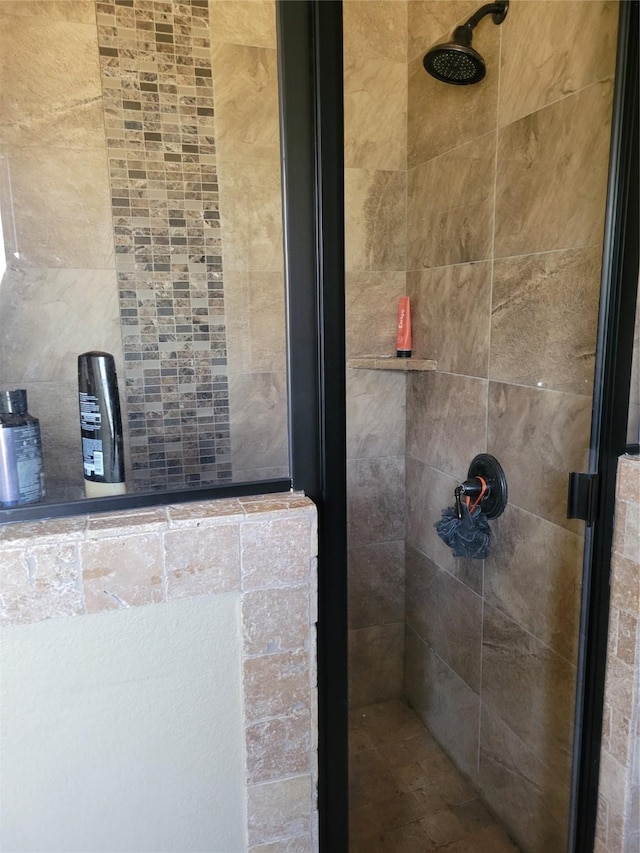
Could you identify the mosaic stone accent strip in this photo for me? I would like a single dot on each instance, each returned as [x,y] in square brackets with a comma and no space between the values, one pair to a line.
[264,548]
[158,109]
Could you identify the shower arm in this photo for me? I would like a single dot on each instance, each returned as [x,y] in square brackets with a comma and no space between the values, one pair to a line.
[498,10]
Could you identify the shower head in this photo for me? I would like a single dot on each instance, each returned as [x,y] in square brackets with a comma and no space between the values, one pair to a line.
[456,61]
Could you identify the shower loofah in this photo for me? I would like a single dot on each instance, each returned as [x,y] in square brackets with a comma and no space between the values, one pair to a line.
[468,536]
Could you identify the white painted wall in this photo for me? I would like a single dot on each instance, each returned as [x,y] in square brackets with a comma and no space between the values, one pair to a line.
[122,731]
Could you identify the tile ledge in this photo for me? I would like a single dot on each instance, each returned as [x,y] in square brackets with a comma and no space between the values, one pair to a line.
[388,362]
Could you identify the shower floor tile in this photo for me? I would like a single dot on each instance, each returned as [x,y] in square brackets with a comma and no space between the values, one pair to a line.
[406,796]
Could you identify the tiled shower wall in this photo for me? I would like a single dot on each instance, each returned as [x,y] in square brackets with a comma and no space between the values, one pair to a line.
[202,381]
[500,250]
[506,202]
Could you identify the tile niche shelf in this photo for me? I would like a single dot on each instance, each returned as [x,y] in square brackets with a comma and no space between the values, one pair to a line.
[390,362]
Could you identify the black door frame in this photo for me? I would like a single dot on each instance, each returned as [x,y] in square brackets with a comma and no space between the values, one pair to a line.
[311,85]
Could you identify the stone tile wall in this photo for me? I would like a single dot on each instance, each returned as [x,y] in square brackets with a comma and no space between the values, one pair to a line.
[203,357]
[618,828]
[265,549]
[375,220]
[506,206]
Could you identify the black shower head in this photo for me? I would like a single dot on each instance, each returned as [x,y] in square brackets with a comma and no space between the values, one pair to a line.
[456,61]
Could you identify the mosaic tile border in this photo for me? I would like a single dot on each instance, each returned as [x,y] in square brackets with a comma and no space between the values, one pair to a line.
[158,110]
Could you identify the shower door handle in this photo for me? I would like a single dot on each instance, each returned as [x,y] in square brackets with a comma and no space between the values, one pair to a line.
[582,499]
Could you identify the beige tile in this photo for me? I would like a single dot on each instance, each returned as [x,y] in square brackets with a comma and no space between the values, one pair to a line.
[450,310]
[429,492]
[278,809]
[375,113]
[41,583]
[375,219]
[237,320]
[375,664]
[278,747]
[276,684]
[450,206]
[430,22]
[80,11]
[444,827]
[267,334]
[407,838]
[446,417]
[196,513]
[544,318]
[276,552]
[202,561]
[258,416]
[446,614]
[47,531]
[124,572]
[251,22]
[376,29]
[375,494]
[110,524]
[534,575]
[77,311]
[51,94]
[551,186]
[447,706]
[376,584]
[245,87]
[301,844]
[550,50]
[372,312]
[370,780]
[628,488]
[62,208]
[375,414]
[250,215]
[441,116]
[539,436]
[529,687]
[275,620]
[529,797]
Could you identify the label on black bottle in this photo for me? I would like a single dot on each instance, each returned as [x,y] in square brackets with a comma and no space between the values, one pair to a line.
[21,475]
[91,425]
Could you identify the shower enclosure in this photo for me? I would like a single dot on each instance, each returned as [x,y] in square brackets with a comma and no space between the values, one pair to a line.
[486,204]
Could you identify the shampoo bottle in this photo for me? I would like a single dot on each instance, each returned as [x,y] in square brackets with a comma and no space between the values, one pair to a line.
[21,475]
[100,425]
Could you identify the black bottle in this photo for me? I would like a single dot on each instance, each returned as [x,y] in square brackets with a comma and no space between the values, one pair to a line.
[100,425]
[21,474]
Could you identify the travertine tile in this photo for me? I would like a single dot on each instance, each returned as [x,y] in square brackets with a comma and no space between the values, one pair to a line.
[376,29]
[245,86]
[278,747]
[448,707]
[275,620]
[376,584]
[275,684]
[275,553]
[202,561]
[41,583]
[267,332]
[375,664]
[60,198]
[301,844]
[540,60]
[551,187]
[375,414]
[197,513]
[539,436]
[123,572]
[456,225]
[375,491]
[450,312]
[529,687]
[544,318]
[446,614]
[80,11]
[278,809]
[250,22]
[50,94]
[375,111]
[534,575]
[259,431]
[372,312]
[530,797]
[446,417]
[375,219]
[250,215]
[629,479]
[442,117]
[47,531]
